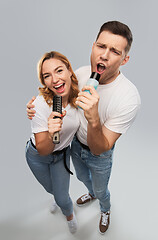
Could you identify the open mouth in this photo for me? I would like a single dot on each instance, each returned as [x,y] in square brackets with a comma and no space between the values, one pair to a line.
[59,88]
[100,68]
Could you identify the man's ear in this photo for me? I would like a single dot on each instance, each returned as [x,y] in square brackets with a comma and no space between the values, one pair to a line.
[93,45]
[125,60]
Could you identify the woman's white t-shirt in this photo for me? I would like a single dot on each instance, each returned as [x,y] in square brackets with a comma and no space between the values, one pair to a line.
[39,123]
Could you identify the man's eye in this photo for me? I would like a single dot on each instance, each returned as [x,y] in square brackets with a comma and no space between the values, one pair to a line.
[100,46]
[114,51]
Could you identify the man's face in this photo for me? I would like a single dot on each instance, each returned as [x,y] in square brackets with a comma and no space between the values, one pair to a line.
[108,54]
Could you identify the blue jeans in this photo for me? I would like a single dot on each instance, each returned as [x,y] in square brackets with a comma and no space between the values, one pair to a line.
[94,171]
[51,174]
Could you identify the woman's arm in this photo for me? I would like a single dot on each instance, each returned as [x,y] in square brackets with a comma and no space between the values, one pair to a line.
[44,142]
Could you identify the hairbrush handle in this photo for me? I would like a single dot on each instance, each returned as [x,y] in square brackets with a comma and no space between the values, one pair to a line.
[57,107]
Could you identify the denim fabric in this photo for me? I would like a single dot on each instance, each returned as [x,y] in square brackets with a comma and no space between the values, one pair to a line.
[50,172]
[94,171]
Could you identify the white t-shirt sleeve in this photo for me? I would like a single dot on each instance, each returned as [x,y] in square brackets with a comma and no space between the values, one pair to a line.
[124,115]
[40,122]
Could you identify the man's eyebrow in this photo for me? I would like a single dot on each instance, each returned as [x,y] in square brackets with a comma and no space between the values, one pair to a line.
[112,48]
[103,44]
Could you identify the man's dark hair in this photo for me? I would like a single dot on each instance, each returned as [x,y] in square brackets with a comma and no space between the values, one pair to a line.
[118,28]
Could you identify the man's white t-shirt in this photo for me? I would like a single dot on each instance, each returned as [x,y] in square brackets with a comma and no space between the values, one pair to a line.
[118,104]
[39,123]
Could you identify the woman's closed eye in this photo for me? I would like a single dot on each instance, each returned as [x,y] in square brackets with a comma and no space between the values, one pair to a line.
[59,70]
[46,76]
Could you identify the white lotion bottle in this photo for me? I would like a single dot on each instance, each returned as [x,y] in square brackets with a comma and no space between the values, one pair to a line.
[93,81]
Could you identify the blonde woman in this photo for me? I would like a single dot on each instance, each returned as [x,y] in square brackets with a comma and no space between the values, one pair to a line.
[45,158]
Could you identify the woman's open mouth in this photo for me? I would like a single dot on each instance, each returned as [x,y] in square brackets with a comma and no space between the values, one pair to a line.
[60,88]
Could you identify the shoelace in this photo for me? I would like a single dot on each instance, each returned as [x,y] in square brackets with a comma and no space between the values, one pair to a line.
[85,197]
[104,218]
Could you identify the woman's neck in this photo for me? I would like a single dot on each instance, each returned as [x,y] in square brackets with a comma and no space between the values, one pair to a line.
[64,102]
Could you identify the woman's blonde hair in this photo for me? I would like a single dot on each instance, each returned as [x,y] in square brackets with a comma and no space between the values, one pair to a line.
[45,91]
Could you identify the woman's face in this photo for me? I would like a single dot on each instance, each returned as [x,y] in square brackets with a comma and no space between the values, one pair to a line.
[57,77]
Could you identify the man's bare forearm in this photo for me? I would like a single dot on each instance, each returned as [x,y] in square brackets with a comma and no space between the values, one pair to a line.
[96,140]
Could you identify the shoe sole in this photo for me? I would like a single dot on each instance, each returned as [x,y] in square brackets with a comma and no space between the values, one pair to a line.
[82,204]
[102,232]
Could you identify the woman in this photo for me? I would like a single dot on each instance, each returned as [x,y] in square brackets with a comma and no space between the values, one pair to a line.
[45,158]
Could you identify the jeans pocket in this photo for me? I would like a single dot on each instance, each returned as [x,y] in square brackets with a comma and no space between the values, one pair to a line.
[30,149]
[107,154]
[26,147]
[102,155]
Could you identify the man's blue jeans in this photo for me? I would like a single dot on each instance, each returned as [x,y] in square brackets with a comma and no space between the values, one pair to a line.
[94,171]
[50,172]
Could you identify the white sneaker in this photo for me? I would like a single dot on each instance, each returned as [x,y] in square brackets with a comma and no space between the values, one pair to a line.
[53,207]
[72,224]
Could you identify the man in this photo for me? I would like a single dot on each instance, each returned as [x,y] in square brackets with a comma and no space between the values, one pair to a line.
[105,114]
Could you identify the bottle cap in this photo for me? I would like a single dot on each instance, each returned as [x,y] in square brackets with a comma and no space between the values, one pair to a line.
[95,75]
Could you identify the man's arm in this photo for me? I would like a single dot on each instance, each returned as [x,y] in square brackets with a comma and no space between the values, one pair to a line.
[99,138]
[30,108]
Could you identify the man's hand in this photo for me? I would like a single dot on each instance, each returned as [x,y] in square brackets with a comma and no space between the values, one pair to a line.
[89,104]
[30,111]
[99,138]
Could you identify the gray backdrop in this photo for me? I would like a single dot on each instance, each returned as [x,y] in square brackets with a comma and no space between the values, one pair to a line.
[27,30]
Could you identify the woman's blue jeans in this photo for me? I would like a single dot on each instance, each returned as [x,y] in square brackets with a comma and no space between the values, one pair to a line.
[94,171]
[51,174]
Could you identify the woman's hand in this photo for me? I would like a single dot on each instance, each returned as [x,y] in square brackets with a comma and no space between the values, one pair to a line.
[55,122]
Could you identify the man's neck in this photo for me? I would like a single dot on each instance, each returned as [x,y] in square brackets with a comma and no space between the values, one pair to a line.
[107,81]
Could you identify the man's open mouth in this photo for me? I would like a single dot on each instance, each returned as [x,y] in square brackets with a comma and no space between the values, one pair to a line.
[100,68]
